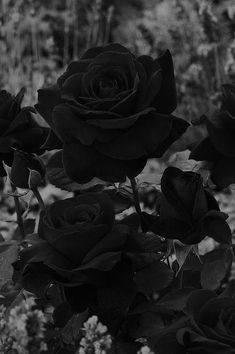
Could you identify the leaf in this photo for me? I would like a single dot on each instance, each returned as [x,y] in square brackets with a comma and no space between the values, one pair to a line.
[181,252]
[216,264]
[7,257]
[153,278]
[147,324]
[71,332]
[120,291]
[119,347]
[176,300]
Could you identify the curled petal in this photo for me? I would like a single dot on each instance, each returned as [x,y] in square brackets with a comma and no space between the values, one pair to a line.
[82,163]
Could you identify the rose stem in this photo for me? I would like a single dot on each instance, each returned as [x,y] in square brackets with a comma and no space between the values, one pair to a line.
[39,199]
[18,211]
[136,196]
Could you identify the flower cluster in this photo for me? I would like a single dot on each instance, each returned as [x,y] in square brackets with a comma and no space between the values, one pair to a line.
[23,329]
[95,339]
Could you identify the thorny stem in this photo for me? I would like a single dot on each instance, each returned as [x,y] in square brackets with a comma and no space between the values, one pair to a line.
[135,195]
[18,212]
[39,199]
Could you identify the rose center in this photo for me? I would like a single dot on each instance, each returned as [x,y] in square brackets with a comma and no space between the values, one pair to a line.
[107,88]
[80,215]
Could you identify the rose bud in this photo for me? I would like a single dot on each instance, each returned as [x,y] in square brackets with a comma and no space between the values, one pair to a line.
[219,146]
[112,111]
[27,170]
[187,211]
[18,129]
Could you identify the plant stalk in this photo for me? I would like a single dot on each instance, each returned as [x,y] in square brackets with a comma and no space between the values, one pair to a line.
[39,199]
[136,196]
[18,212]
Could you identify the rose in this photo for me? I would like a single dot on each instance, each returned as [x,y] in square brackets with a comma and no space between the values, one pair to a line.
[112,111]
[81,247]
[208,328]
[187,211]
[17,128]
[219,146]
[212,326]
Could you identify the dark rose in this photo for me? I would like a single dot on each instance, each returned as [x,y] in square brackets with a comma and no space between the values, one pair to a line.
[212,327]
[209,327]
[81,247]
[112,111]
[219,146]
[187,211]
[17,128]
[27,170]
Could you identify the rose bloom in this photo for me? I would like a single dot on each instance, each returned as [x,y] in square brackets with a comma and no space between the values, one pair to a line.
[81,247]
[212,326]
[18,129]
[112,111]
[187,211]
[219,146]
[209,327]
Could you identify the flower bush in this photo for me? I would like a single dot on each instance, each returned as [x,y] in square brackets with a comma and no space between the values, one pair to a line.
[107,274]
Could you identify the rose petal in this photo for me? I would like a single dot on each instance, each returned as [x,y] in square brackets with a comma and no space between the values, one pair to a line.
[153,79]
[113,241]
[200,206]
[178,127]
[150,65]
[228,99]
[215,226]
[69,125]
[47,99]
[212,203]
[223,172]
[73,68]
[73,86]
[142,139]
[82,163]
[42,252]
[197,300]
[204,151]
[74,246]
[166,100]
[209,312]
[221,138]
[118,122]
[126,106]
[174,197]
[104,104]
[3,125]
[124,60]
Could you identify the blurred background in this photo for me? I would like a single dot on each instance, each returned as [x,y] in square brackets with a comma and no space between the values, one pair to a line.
[38,38]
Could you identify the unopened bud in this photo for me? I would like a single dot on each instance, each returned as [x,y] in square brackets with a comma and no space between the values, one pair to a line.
[27,170]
